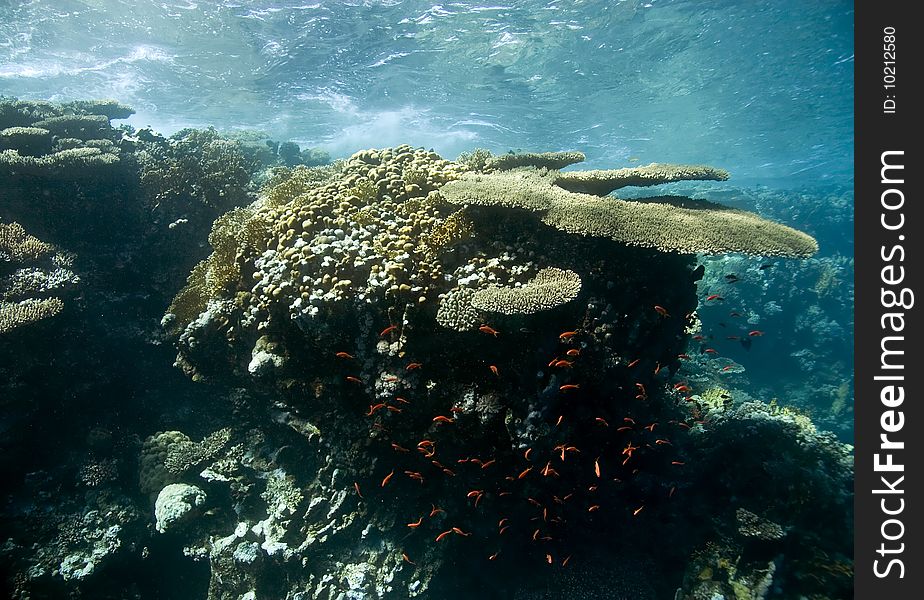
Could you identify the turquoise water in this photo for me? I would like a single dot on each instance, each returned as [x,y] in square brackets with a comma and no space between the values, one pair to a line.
[763,89]
[226,367]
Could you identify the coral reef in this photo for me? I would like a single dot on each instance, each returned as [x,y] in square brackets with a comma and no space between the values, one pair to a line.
[31,271]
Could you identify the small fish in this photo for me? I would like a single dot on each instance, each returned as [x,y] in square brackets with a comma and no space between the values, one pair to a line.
[393,409]
[573,352]
[414,475]
[388,478]
[560,419]
[503,529]
[388,330]
[435,511]
[593,508]
[563,363]
[677,462]
[651,426]
[390,379]
[416,523]
[602,421]
[663,441]
[683,356]
[474,493]
[671,493]
[494,370]
[566,335]
[356,487]
[524,472]
[458,531]
[488,330]
[353,379]
[548,558]
[683,389]
[755,333]
[443,419]
[535,535]
[343,355]
[485,465]
[633,363]
[711,351]
[597,467]
[727,368]
[401,400]
[714,297]
[441,536]
[661,310]
[565,562]
[527,453]
[657,368]
[624,428]
[375,407]
[408,559]
[637,510]
[412,366]
[569,386]
[698,338]
[399,448]
[494,556]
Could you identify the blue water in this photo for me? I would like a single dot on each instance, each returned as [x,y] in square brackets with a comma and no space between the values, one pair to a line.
[761,88]
[764,89]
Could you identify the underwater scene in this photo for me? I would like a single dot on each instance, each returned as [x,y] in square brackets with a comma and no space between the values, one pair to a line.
[384,300]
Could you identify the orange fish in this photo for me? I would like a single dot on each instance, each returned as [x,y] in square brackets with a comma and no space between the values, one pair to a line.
[407,558]
[633,363]
[548,558]
[388,478]
[714,297]
[393,409]
[662,441]
[677,462]
[412,366]
[573,352]
[593,508]
[526,454]
[638,510]
[373,408]
[503,529]
[442,419]
[485,465]
[343,355]
[460,532]
[755,333]
[414,475]
[388,330]
[567,335]
[399,448]
[488,330]
[558,422]
[602,421]
[474,493]
[435,511]
[727,368]
[624,428]
[356,487]
[650,426]
[401,400]
[416,523]
[597,466]
[657,368]
[354,379]
[563,363]
[494,370]
[711,351]
[683,356]
[524,473]
[440,537]
[494,556]
[569,386]
[661,311]
[565,562]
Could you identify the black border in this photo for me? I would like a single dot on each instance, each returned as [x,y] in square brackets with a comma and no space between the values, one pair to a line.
[878,132]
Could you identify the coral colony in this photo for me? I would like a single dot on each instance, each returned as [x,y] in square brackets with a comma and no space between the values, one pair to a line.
[441,367]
